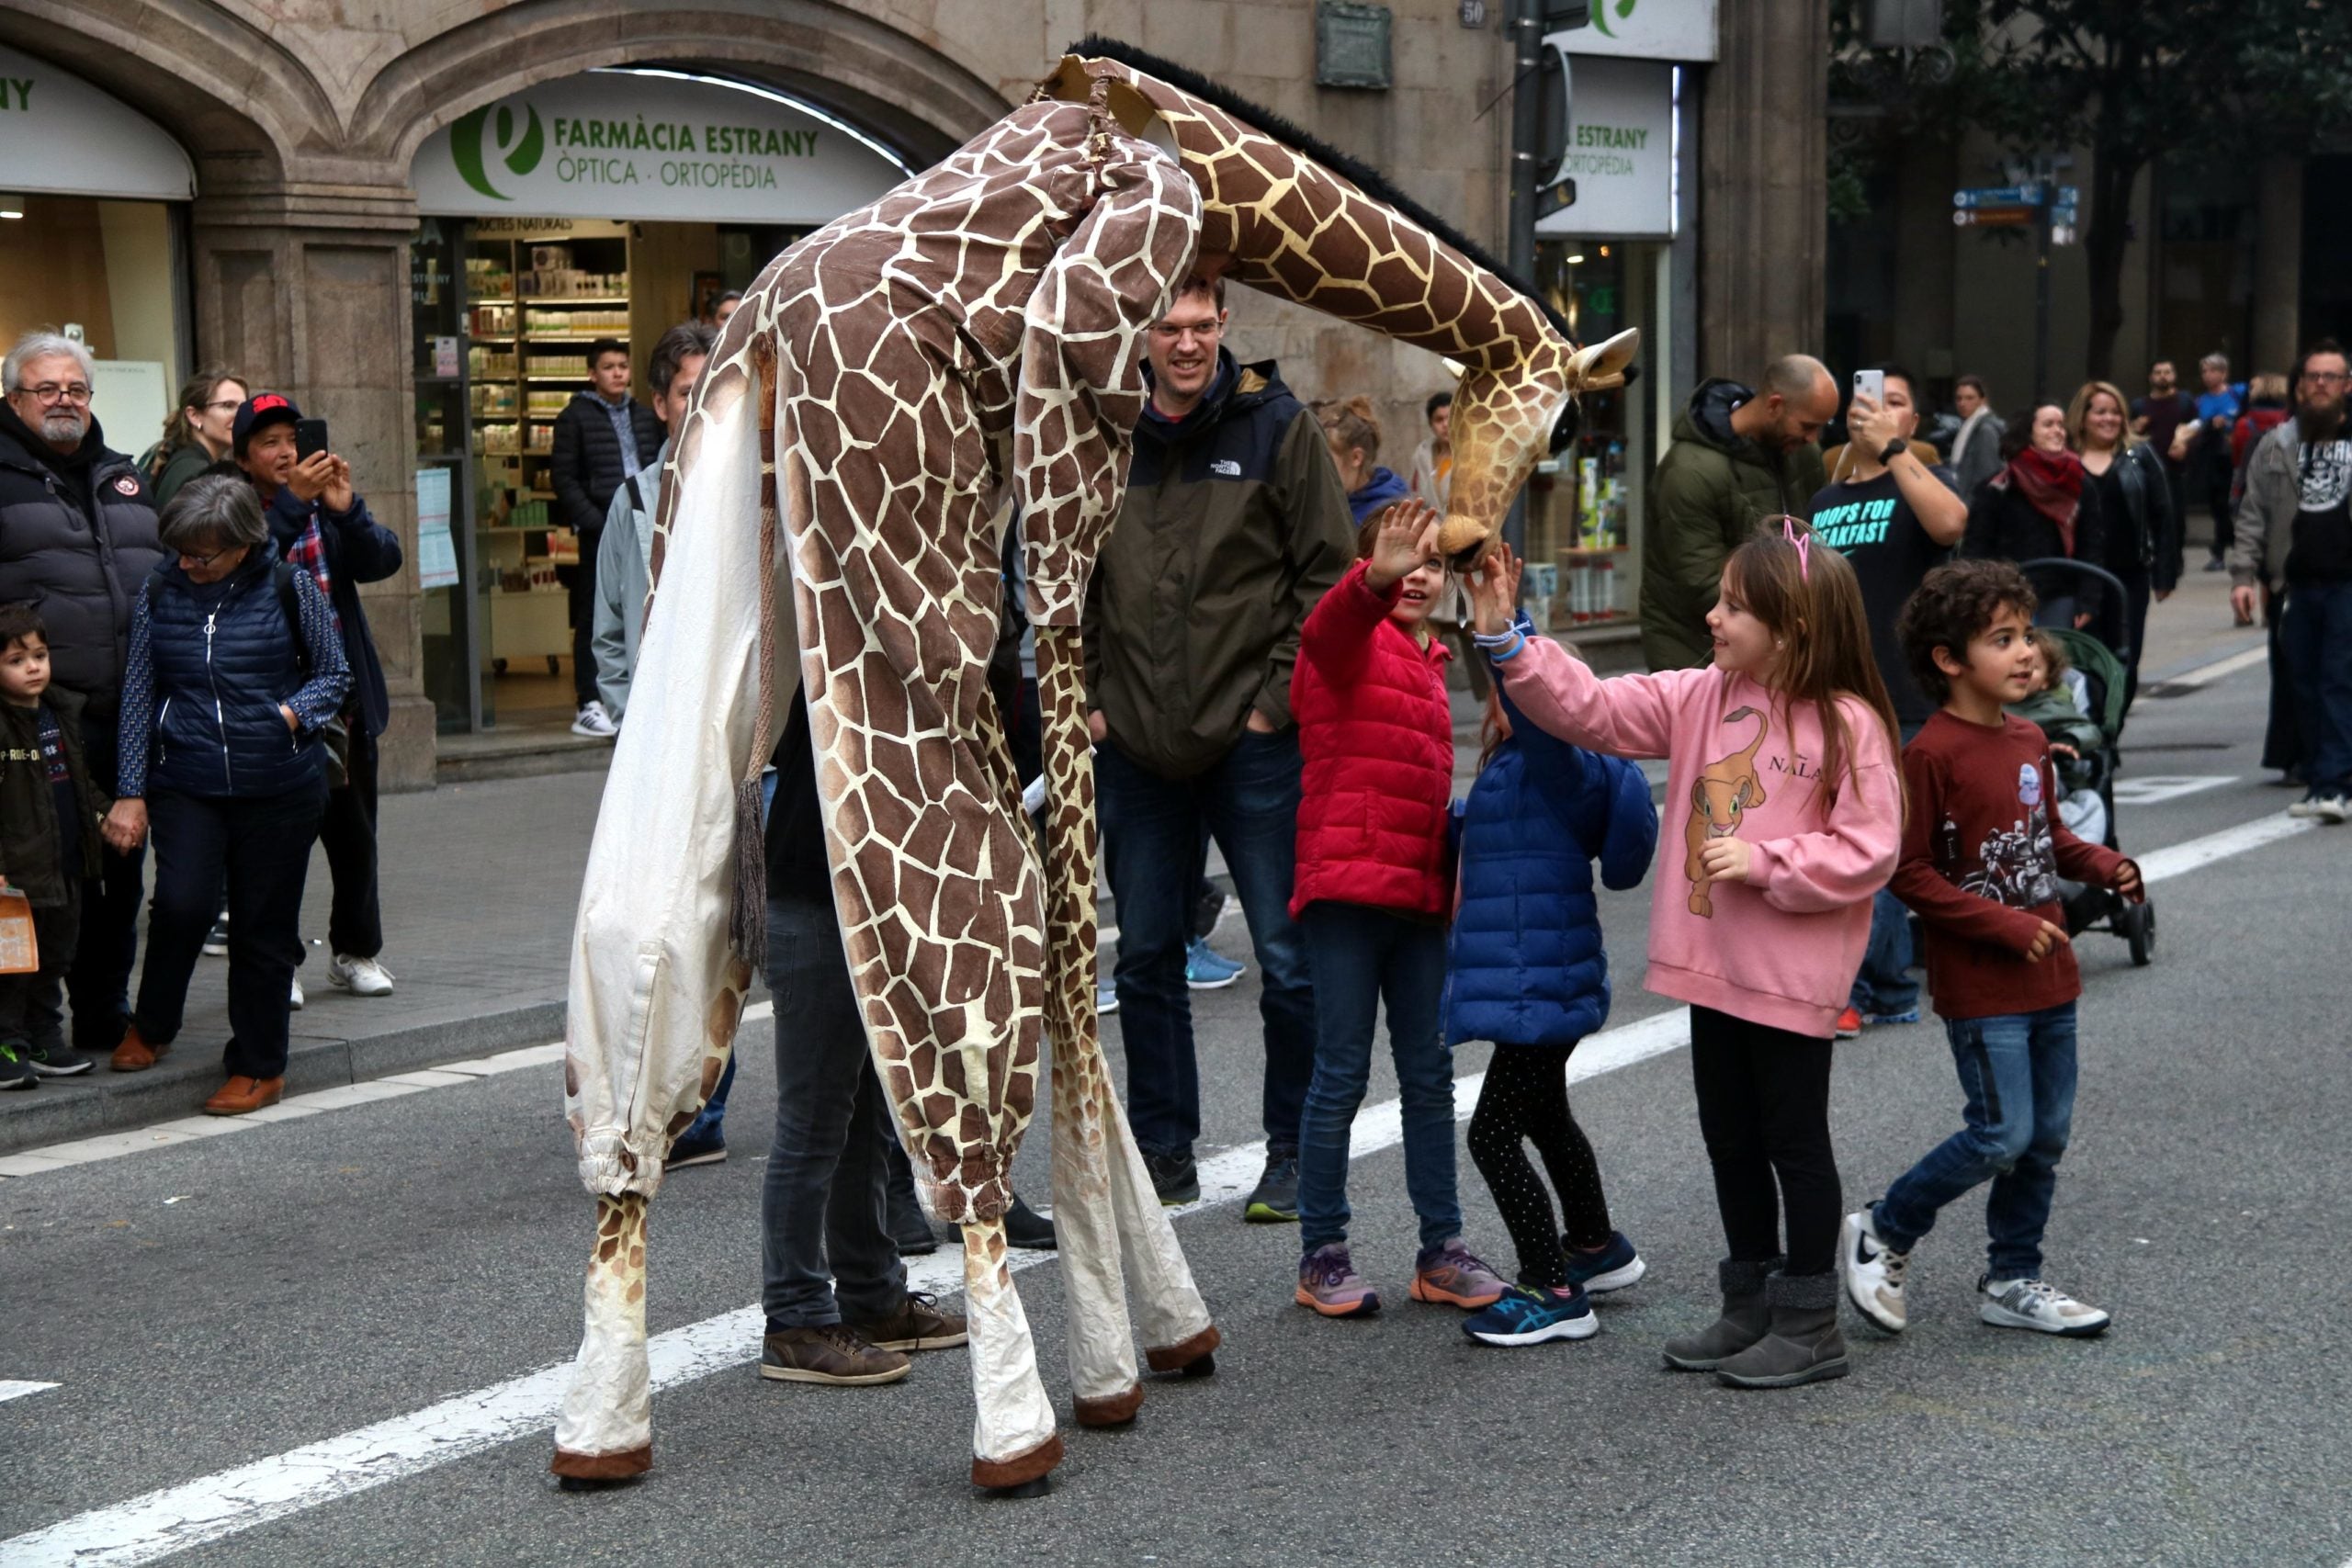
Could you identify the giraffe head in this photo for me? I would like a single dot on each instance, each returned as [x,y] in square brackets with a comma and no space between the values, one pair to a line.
[1291,217]
[1508,418]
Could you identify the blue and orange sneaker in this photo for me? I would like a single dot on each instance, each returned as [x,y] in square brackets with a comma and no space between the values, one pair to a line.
[1613,1267]
[1328,1282]
[1450,1274]
[1530,1314]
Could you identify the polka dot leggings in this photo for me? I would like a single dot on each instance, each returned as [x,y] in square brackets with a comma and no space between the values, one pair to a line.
[1526,1101]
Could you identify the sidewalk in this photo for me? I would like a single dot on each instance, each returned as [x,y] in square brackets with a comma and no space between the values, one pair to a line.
[480,884]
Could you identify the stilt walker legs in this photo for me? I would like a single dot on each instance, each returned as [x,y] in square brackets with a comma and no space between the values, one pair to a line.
[605,1432]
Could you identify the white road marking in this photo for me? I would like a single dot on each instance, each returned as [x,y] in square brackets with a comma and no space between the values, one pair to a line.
[173,1519]
[2206,675]
[10,1389]
[2147,789]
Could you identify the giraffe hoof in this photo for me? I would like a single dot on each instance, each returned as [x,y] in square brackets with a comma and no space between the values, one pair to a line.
[1012,1477]
[587,1484]
[1203,1367]
[1111,1410]
[1192,1356]
[1037,1488]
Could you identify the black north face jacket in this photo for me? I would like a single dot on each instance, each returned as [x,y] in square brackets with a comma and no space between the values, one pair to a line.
[77,537]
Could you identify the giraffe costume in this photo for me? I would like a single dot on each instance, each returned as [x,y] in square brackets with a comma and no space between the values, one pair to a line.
[888,387]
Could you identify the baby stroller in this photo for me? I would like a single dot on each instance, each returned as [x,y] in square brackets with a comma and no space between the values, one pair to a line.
[2100,652]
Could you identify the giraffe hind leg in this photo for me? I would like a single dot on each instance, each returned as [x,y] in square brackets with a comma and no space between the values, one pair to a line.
[605,1434]
[1014,1440]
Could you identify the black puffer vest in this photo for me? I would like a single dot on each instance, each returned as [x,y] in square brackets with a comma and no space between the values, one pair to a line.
[85,579]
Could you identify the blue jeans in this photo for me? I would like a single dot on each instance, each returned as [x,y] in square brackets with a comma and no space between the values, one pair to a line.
[1362,957]
[1885,986]
[2319,651]
[2018,1071]
[1151,848]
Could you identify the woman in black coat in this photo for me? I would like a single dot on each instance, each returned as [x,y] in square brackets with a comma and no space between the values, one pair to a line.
[2039,505]
[2134,505]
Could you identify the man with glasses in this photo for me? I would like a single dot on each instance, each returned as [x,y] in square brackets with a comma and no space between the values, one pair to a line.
[2294,539]
[78,536]
[1234,523]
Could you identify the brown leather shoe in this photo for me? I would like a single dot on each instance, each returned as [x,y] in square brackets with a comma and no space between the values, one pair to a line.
[134,1054]
[918,1325]
[241,1095]
[831,1353]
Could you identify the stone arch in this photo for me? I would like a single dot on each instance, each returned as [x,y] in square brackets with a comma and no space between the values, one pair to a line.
[892,85]
[189,73]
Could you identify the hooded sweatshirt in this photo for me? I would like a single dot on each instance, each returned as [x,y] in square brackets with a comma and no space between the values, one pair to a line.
[1710,489]
[1781,948]
[1381,488]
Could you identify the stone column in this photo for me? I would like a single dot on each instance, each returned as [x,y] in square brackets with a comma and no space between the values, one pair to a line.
[1763,186]
[305,289]
[2277,265]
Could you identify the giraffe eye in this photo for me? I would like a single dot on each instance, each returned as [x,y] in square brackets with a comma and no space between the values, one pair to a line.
[1565,428]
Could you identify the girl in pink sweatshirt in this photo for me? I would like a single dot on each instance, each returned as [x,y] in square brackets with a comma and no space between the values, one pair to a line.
[1783,780]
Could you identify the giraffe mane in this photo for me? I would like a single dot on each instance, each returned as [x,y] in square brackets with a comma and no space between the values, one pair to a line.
[1365,178]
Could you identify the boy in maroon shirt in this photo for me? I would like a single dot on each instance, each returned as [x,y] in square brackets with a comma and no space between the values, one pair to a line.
[1983,851]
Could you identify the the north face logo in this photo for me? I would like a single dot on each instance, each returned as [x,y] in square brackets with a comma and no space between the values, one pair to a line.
[1226,467]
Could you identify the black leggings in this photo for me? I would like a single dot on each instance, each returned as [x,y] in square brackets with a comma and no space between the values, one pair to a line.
[1764,1112]
[1526,1101]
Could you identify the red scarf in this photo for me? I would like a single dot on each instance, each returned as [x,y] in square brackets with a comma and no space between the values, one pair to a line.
[2051,483]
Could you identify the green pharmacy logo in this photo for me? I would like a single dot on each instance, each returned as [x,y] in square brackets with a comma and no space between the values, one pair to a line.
[517,144]
[1624,10]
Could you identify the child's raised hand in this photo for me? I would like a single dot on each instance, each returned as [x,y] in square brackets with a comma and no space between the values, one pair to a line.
[1408,536]
[2046,940]
[1494,590]
[2127,882]
[1725,860]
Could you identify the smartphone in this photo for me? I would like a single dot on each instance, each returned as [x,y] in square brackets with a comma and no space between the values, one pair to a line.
[310,438]
[1870,384]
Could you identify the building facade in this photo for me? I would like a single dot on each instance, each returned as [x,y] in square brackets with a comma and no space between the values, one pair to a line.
[413,218]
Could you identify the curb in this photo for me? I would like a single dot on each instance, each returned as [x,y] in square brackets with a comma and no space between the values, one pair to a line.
[103,1102]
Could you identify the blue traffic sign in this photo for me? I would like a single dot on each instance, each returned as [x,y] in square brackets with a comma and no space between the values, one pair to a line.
[2026,195]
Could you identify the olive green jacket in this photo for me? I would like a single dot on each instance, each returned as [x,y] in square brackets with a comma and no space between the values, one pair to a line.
[1710,489]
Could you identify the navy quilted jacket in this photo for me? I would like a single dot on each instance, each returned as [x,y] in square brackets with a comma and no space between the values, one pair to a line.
[1527,966]
[210,665]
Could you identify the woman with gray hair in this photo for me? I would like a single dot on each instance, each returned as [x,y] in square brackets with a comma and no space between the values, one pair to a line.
[235,670]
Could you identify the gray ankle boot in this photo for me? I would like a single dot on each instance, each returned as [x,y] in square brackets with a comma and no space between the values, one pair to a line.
[1744,1321]
[1805,1345]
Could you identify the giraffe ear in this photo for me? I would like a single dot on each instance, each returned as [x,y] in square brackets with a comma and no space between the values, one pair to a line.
[1600,366]
[1069,83]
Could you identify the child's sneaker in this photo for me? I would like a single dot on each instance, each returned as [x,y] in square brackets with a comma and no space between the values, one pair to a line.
[1449,1274]
[1328,1282]
[16,1069]
[58,1061]
[1613,1267]
[2037,1305]
[1872,1271]
[1530,1314]
[1848,1024]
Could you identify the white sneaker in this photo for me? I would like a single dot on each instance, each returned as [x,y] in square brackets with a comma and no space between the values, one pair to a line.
[2331,809]
[1872,1271]
[360,976]
[2035,1304]
[594,722]
[294,1001]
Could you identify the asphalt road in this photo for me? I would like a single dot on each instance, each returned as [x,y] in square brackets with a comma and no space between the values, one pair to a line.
[206,1305]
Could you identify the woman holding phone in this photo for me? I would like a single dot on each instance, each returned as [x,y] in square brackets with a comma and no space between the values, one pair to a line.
[321,524]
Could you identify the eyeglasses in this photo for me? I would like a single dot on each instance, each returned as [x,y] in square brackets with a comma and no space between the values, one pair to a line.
[228,405]
[2327,377]
[189,558]
[50,392]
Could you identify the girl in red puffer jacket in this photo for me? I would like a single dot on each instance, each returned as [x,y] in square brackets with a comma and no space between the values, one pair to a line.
[1376,882]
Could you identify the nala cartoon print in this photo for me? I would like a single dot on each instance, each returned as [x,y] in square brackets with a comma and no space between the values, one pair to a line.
[2016,865]
[1720,796]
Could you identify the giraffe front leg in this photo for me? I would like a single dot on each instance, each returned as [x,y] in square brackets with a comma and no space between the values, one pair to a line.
[1179,1335]
[605,1432]
[1015,1446]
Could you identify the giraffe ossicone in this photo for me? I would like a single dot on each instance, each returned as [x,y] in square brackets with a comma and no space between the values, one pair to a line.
[888,391]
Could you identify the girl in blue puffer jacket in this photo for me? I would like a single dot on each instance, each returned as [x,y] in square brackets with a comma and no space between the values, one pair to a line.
[1527,972]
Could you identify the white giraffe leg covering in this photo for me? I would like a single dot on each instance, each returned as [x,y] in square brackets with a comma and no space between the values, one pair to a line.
[1013,1439]
[1104,1382]
[605,1431]
[1173,1318]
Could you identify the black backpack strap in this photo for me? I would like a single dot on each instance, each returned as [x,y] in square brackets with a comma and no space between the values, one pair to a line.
[636,496]
[281,577]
